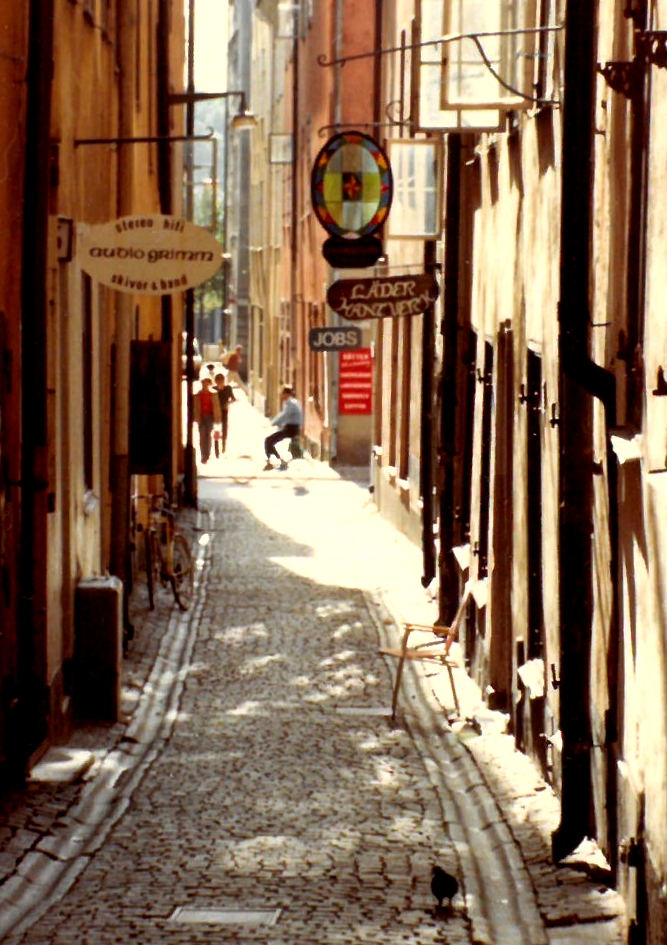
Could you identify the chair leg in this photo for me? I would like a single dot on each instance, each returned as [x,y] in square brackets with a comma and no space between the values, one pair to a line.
[454,693]
[399,673]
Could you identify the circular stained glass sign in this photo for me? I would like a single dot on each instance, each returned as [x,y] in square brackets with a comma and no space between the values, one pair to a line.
[351,185]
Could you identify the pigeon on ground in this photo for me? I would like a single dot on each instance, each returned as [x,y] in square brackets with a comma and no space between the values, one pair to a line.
[443,885]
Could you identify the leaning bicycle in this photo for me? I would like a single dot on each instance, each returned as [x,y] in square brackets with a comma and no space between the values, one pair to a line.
[167,556]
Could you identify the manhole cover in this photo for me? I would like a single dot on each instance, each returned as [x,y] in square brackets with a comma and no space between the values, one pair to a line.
[213,915]
[363,710]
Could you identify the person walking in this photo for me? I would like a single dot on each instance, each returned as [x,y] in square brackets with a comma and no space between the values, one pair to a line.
[232,362]
[289,421]
[207,413]
[226,397]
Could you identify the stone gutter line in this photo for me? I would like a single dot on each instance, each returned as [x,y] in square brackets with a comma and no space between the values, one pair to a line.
[559,899]
[52,866]
[499,896]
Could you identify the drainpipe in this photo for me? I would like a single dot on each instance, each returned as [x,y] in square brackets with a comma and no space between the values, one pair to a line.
[580,380]
[426,447]
[33,704]
[120,460]
[164,187]
[448,572]
[190,477]
[294,214]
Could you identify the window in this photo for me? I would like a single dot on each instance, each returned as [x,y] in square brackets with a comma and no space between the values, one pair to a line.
[485,69]
[416,168]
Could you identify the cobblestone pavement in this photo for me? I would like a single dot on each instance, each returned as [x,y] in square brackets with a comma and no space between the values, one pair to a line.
[256,788]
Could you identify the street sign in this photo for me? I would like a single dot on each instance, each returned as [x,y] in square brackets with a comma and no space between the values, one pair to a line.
[334,339]
[391,297]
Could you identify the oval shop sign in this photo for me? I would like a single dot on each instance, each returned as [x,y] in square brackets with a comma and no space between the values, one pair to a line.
[152,254]
[351,185]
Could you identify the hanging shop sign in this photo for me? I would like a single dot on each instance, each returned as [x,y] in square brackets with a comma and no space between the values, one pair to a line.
[391,297]
[355,382]
[351,191]
[152,254]
[352,254]
[334,339]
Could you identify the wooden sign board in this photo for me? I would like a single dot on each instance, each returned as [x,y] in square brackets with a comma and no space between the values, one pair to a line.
[391,297]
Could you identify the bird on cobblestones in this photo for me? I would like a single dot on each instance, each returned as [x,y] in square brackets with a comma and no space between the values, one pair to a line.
[443,885]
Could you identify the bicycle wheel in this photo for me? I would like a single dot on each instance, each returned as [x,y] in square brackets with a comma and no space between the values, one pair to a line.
[182,578]
[148,565]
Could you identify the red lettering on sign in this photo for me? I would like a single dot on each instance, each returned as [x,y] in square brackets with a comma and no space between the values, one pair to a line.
[355,379]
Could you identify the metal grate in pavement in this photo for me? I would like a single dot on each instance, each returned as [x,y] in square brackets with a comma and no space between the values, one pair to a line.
[213,915]
[364,710]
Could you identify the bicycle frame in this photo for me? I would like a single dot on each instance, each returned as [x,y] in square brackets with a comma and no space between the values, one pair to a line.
[167,552]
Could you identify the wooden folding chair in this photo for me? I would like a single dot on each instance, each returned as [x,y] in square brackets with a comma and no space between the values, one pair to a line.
[424,651]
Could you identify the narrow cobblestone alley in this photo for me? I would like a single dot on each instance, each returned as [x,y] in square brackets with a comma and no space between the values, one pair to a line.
[263,792]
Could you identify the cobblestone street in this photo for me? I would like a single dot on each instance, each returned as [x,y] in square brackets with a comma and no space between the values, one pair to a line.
[257,788]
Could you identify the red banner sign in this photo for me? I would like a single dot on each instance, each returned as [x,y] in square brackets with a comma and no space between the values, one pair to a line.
[355,375]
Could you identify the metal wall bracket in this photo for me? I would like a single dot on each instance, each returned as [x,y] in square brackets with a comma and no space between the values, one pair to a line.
[626,77]
[652,47]
[660,389]
[623,77]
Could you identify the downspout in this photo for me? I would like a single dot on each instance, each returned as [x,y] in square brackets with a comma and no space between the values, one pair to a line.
[33,698]
[426,446]
[377,63]
[120,460]
[580,380]
[448,572]
[333,358]
[190,489]
[295,196]
[164,188]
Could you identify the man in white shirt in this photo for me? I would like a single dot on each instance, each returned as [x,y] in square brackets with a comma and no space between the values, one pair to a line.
[289,421]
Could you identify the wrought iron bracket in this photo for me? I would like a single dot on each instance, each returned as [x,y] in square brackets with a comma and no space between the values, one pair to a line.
[626,77]
[475,37]
[660,389]
[623,77]
[652,47]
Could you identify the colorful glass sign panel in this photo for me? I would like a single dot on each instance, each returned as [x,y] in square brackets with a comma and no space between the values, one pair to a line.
[351,185]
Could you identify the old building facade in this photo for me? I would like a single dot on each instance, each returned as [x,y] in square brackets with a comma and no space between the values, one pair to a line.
[517,429]
[85,92]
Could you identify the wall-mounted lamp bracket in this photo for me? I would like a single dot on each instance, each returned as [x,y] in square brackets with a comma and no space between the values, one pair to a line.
[147,139]
[243,120]
[187,98]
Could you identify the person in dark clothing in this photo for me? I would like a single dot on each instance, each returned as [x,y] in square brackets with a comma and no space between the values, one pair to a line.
[289,421]
[207,413]
[226,397]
